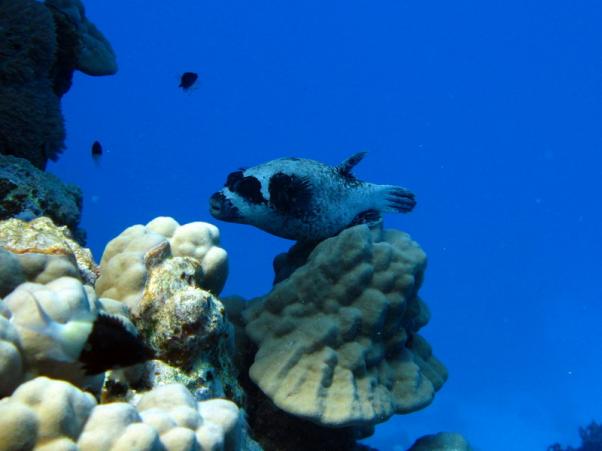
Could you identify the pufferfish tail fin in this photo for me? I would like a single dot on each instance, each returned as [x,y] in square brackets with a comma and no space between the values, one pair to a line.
[395,199]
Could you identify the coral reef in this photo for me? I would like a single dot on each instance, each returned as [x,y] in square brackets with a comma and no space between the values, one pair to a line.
[337,340]
[27,193]
[330,351]
[129,259]
[11,357]
[38,251]
[94,54]
[443,441]
[51,414]
[53,327]
[591,439]
[41,45]
[169,275]
[31,123]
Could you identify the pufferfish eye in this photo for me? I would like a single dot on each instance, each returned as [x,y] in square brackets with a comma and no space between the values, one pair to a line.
[250,189]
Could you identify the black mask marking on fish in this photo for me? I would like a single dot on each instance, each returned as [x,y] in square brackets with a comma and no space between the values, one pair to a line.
[247,187]
[112,345]
[289,193]
[233,179]
[250,189]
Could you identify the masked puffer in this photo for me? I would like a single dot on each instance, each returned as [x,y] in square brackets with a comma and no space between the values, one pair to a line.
[305,200]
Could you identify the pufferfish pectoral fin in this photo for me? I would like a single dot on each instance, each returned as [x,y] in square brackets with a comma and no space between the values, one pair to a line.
[290,194]
[348,164]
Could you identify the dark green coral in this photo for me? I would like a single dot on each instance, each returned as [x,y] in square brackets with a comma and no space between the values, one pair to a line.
[27,193]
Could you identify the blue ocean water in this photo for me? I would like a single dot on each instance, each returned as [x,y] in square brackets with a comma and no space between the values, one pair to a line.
[491,112]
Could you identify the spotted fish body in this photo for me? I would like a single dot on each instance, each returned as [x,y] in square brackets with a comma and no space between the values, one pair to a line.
[305,200]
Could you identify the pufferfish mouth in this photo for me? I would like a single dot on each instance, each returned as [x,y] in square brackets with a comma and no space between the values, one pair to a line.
[220,207]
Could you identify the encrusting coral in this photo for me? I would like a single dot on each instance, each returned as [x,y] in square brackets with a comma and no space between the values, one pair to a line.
[51,415]
[27,193]
[39,251]
[337,340]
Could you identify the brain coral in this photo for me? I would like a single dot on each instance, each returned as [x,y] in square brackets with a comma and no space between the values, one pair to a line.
[337,340]
[51,414]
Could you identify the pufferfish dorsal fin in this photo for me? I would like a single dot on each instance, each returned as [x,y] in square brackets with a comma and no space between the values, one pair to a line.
[348,164]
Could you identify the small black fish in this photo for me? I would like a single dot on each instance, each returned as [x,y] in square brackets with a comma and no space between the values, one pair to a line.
[96,150]
[111,345]
[188,79]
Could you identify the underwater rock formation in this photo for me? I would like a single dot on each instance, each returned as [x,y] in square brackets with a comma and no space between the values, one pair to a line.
[53,414]
[39,251]
[92,52]
[591,439]
[31,123]
[338,340]
[447,441]
[27,193]
[41,45]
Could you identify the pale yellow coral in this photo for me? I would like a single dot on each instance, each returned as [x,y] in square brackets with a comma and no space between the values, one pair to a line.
[51,346]
[11,362]
[129,259]
[44,412]
[52,414]
[338,340]
[49,325]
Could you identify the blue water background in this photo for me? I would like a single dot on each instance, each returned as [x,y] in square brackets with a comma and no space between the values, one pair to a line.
[491,112]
